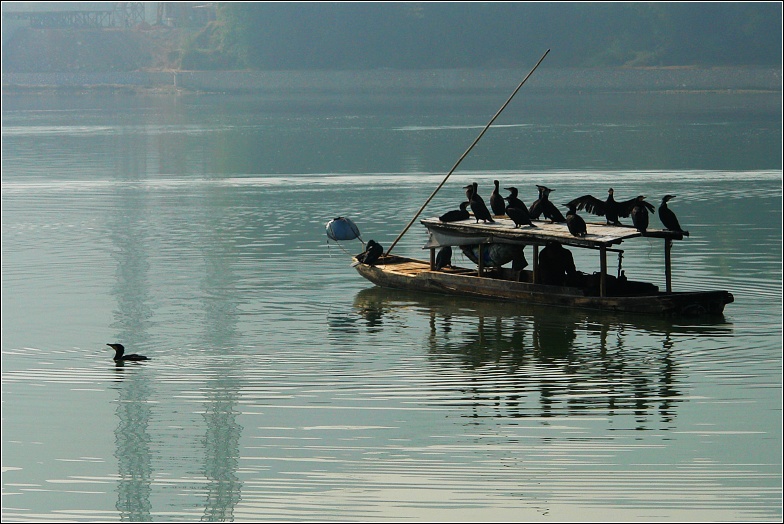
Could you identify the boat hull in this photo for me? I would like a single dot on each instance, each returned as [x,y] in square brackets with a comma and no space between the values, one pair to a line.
[411,274]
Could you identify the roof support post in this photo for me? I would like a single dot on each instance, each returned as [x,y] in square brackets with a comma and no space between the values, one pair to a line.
[535,276]
[668,264]
[432,259]
[603,271]
[481,259]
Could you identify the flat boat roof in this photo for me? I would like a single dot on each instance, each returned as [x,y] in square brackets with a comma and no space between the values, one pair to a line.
[503,231]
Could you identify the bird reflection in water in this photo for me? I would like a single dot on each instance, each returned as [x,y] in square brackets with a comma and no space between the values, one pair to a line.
[132,447]
[543,362]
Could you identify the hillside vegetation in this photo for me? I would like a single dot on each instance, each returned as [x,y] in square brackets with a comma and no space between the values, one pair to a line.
[443,35]
[492,34]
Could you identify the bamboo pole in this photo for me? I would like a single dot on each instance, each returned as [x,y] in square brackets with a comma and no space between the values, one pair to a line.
[459,160]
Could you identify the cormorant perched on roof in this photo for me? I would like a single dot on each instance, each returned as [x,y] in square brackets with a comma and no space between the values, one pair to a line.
[473,189]
[575,222]
[456,214]
[444,257]
[519,216]
[468,190]
[640,213]
[543,206]
[478,206]
[610,209]
[668,218]
[497,203]
[119,355]
[514,201]
[373,251]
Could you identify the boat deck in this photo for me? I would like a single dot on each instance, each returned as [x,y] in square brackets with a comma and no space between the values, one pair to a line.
[413,267]
[410,267]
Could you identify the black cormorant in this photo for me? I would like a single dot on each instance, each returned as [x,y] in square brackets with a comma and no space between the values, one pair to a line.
[120,356]
[497,203]
[373,251]
[444,257]
[640,213]
[575,222]
[478,206]
[473,189]
[519,261]
[469,189]
[519,216]
[668,218]
[609,208]
[513,199]
[543,206]
[456,214]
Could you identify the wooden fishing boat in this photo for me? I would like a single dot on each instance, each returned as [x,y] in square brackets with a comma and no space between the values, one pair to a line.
[493,280]
[596,291]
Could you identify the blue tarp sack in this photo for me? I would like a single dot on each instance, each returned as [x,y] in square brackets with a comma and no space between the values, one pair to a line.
[493,255]
[342,228]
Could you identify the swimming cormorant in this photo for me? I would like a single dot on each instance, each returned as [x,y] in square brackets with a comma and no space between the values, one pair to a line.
[610,209]
[120,356]
[668,218]
[575,222]
[514,201]
[444,257]
[478,206]
[456,214]
[543,206]
[497,203]
[640,213]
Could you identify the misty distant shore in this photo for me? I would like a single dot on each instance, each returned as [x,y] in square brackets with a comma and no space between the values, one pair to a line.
[384,80]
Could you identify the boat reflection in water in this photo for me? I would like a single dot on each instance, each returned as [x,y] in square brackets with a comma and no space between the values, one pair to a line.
[525,361]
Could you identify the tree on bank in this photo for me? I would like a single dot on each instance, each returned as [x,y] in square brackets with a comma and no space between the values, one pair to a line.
[431,35]
[354,35]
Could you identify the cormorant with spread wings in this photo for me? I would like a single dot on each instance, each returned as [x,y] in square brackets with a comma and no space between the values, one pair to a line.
[612,210]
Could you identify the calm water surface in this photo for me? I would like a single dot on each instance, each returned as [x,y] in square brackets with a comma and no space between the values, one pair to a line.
[283,387]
